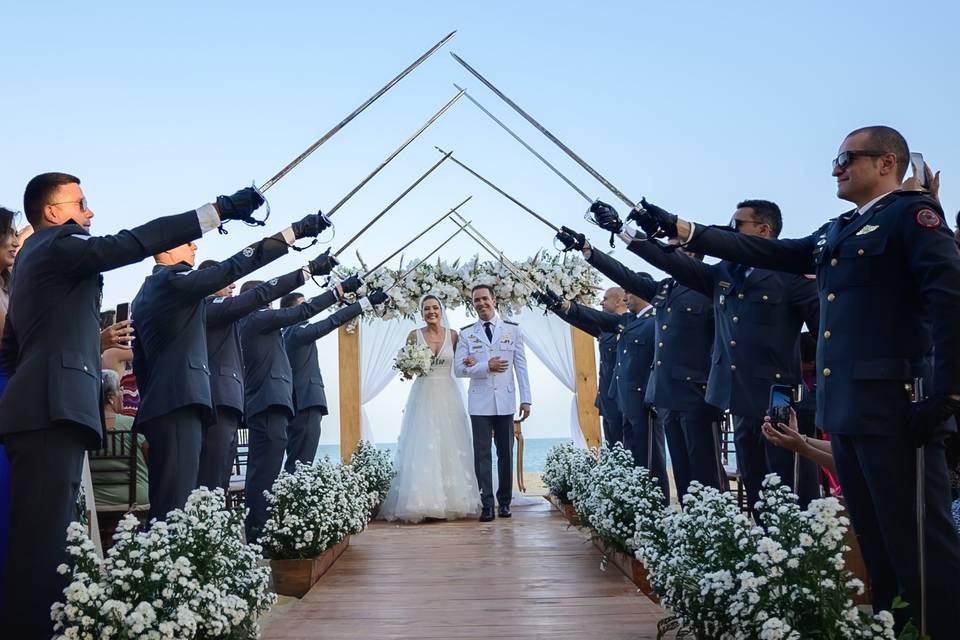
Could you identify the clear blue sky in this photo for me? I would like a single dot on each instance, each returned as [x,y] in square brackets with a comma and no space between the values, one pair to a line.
[694,105]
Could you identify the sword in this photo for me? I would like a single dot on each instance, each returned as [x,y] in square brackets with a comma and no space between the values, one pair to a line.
[567,150]
[395,153]
[500,191]
[921,518]
[416,237]
[329,134]
[491,248]
[526,146]
[390,206]
[428,256]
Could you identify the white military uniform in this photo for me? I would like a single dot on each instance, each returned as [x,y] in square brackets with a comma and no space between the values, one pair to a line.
[493,394]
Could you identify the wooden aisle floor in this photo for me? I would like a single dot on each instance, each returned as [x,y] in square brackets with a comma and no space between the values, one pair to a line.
[531,576]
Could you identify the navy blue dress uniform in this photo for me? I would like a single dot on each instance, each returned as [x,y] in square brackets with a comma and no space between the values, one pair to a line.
[171,363]
[268,397]
[606,400]
[225,362]
[309,398]
[758,318]
[681,366]
[51,411]
[879,274]
[642,434]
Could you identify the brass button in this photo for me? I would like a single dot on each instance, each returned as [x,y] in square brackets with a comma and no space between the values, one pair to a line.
[827,372]
[624,350]
[636,340]
[765,297]
[659,363]
[740,296]
[660,345]
[85,368]
[834,262]
[688,378]
[827,334]
[831,297]
[777,376]
[669,310]
[664,327]
[733,367]
[689,309]
[859,252]
[736,319]
[733,343]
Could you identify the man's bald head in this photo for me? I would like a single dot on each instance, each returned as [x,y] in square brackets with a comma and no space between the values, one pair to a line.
[615,300]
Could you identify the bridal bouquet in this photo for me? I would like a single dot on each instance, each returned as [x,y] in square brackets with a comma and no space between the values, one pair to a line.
[413,360]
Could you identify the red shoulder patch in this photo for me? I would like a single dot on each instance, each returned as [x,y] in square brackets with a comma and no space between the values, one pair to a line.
[928,219]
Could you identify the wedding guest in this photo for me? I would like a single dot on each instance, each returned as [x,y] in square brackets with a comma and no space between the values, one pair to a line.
[50,412]
[115,470]
[9,246]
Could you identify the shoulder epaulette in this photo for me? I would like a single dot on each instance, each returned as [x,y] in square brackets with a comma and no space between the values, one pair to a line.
[468,326]
[516,324]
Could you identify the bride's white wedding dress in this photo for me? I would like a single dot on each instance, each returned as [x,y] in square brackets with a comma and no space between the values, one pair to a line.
[434,461]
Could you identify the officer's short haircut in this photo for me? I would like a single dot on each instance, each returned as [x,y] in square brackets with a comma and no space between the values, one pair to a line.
[37,194]
[250,284]
[206,264]
[766,212]
[483,286]
[290,300]
[888,140]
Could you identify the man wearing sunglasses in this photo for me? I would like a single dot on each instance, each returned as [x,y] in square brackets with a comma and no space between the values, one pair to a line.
[894,245]
[758,317]
[51,413]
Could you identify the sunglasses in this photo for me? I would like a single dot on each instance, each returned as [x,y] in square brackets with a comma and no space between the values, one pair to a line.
[82,202]
[845,158]
[736,224]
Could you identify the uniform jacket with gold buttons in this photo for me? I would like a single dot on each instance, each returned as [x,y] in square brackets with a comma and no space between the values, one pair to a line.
[882,277]
[493,394]
[757,323]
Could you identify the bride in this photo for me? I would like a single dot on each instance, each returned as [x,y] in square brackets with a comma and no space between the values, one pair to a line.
[435,476]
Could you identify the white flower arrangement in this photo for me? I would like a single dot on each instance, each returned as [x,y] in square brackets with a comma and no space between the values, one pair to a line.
[375,470]
[413,360]
[567,274]
[189,577]
[314,508]
[558,470]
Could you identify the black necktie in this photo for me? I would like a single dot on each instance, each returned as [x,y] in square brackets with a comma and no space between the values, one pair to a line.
[488,331]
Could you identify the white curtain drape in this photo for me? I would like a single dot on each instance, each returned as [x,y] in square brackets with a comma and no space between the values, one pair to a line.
[379,343]
[549,338]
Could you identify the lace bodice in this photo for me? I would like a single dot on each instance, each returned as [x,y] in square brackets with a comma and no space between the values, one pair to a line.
[442,366]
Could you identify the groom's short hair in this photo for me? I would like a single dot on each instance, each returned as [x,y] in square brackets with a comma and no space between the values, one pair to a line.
[483,286]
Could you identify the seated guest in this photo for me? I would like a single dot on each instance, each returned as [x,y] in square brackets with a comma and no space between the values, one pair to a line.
[114,470]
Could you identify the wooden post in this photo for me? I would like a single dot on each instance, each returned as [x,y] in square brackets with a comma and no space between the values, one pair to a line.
[350,417]
[585,372]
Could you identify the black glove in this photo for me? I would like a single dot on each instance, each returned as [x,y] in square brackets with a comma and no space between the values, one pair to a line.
[240,206]
[351,284]
[606,217]
[571,239]
[655,222]
[311,226]
[927,416]
[377,296]
[323,264]
[548,298]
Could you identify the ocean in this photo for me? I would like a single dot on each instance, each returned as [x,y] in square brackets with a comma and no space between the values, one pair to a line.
[534,451]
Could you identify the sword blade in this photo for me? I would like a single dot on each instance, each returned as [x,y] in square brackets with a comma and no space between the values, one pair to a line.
[395,153]
[391,205]
[492,249]
[500,191]
[567,150]
[416,237]
[427,257]
[525,145]
[329,134]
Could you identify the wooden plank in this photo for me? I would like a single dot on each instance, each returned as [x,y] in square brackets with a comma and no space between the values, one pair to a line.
[532,576]
[349,352]
[585,371]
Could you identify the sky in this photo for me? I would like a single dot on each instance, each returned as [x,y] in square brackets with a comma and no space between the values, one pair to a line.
[694,105]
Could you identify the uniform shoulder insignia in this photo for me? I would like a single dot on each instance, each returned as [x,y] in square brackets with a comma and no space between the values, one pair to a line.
[81,236]
[516,324]
[218,300]
[928,218]
[248,252]
[468,326]
[273,282]
[810,276]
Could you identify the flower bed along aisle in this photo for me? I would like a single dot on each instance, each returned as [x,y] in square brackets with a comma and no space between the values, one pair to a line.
[312,513]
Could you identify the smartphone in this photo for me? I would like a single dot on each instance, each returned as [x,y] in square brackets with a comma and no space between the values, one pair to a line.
[123,311]
[781,399]
[916,159]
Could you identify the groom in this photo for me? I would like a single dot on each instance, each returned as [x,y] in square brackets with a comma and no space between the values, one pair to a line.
[486,353]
